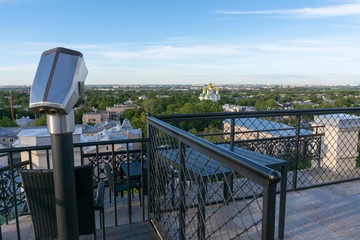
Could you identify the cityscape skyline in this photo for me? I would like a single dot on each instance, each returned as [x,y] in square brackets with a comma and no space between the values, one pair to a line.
[232,42]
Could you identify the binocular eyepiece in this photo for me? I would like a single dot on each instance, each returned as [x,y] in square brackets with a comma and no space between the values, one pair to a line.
[52,111]
[59,82]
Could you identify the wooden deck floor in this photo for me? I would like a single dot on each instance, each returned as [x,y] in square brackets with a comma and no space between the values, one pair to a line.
[141,230]
[327,213]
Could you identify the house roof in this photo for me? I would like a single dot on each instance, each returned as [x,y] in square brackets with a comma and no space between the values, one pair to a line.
[105,125]
[24,121]
[9,131]
[89,129]
[41,131]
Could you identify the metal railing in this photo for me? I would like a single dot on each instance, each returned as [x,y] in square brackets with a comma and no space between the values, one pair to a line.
[202,191]
[12,197]
[321,145]
[199,190]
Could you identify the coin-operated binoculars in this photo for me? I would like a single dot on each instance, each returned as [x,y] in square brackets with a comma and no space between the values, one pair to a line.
[57,88]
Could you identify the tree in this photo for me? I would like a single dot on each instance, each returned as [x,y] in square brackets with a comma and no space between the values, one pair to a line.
[102,106]
[151,105]
[339,103]
[266,105]
[8,122]
[130,113]
[325,104]
[189,108]
[139,122]
[41,121]
[171,108]
[303,106]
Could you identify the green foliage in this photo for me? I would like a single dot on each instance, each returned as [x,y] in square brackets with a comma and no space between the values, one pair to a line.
[41,121]
[18,113]
[90,124]
[130,113]
[201,107]
[171,108]
[8,122]
[266,105]
[102,106]
[287,98]
[302,106]
[325,104]
[186,102]
[153,106]
[79,113]
[11,216]
[20,97]
[212,130]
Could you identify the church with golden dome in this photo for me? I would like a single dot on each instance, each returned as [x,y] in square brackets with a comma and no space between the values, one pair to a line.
[210,93]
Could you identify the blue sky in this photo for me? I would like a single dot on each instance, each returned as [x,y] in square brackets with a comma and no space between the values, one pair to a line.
[174,42]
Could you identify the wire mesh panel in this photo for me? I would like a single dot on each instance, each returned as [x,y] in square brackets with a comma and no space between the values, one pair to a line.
[338,150]
[194,196]
[321,145]
[101,153]
[7,181]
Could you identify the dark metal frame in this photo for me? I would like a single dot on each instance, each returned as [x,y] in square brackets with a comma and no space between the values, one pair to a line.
[257,173]
[14,185]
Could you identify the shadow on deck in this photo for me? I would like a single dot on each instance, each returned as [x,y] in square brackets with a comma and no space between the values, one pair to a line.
[328,212]
[141,230]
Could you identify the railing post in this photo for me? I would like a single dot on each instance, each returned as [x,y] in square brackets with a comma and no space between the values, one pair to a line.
[232,134]
[149,162]
[82,156]
[142,181]
[128,181]
[201,215]
[182,197]
[97,163]
[269,205]
[297,143]
[14,195]
[114,167]
[30,160]
[47,159]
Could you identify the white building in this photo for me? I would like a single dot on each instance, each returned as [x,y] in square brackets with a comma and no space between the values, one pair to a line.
[211,93]
[41,137]
[118,132]
[237,108]
[3,157]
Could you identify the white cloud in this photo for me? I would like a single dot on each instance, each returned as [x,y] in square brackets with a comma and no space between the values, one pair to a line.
[171,52]
[347,26]
[18,68]
[225,61]
[296,48]
[310,42]
[321,12]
